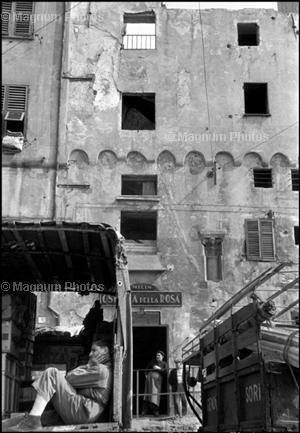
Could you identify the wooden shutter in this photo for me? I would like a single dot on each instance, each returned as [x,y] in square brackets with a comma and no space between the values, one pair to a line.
[266,240]
[23,18]
[16,98]
[2,97]
[252,239]
[260,239]
[16,102]
[6,12]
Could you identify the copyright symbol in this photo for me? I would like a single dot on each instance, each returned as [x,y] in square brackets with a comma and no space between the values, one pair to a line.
[5,16]
[5,286]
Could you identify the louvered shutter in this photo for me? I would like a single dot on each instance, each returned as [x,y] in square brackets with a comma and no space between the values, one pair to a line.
[6,14]
[23,18]
[16,102]
[266,240]
[252,239]
[2,97]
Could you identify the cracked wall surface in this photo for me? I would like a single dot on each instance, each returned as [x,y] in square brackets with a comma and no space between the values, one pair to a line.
[199,119]
[186,140]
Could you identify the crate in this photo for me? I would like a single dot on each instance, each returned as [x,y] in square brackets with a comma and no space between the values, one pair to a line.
[10,384]
[11,335]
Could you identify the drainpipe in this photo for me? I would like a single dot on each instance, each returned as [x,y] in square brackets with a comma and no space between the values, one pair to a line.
[59,124]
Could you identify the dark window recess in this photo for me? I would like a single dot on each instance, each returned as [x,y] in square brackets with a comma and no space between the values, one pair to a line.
[263,177]
[296,235]
[295,180]
[248,34]
[213,254]
[138,111]
[256,98]
[13,103]
[139,226]
[17,19]
[139,185]
[260,244]
[295,316]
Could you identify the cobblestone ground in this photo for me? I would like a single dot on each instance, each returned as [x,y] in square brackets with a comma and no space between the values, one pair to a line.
[188,423]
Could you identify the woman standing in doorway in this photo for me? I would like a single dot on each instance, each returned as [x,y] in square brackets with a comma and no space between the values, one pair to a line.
[154,378]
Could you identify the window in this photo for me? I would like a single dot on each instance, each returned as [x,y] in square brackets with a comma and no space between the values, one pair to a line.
[260,244]
[139,226]
[262,177]
[295,180]
[13,103]
[213,255]
[139,31]
[296,235]
[17,19]
[248,34]
[139,185]
[138,111]
[256,99]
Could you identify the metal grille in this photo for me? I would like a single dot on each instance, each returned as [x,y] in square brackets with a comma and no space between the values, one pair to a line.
[139,42]
[295,180]
[263,177]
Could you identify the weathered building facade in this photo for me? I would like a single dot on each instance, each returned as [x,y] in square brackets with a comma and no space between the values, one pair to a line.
[183,136]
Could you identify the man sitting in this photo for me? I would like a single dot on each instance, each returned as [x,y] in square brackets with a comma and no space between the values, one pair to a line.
[79,397]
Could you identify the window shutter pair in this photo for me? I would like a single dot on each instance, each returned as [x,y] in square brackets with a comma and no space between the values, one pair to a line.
[13,102]
[260,239]
[17,18]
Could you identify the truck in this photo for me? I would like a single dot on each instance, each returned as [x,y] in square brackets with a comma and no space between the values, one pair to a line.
[246,365]
[62,256]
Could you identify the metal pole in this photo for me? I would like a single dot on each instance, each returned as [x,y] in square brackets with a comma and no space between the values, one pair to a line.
[284,289]
[242,293]
[285,309]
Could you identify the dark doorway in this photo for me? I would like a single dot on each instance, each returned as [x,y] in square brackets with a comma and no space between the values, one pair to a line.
[146,341]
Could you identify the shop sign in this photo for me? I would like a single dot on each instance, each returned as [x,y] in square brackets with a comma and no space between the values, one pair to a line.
[147,299]
[142,286]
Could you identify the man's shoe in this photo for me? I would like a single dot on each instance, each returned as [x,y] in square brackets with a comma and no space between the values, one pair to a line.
[28,423]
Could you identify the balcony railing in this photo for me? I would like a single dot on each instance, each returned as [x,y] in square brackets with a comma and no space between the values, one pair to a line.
[139,42]
[139,381]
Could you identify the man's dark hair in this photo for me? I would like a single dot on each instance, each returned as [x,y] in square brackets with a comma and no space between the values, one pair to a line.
[101,343]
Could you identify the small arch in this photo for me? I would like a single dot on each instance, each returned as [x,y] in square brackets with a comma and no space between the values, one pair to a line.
[79,157]
[279,160]
[225,160]
[136,160]
[253,159]
[107,158]
[166,161]
[195,161]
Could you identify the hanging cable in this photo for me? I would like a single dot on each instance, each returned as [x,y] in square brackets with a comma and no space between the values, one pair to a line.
[206,93]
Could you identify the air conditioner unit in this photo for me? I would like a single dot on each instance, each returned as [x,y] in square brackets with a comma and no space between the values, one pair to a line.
[12,142]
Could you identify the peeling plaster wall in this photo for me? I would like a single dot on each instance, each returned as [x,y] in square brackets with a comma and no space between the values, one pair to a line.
[29,176]
[95,152]
[181,148]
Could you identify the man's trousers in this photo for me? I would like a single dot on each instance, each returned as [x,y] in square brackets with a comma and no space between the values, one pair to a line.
[73,408]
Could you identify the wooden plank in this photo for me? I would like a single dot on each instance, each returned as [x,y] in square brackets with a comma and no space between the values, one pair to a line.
[86,248]
[44,250]
[65,247]
[225,350]
[209,359]
[35,271]
[246,338]
[117,385]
